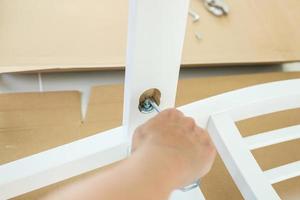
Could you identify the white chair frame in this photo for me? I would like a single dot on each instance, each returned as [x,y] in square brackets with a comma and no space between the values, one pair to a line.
[153,61]
[235,150]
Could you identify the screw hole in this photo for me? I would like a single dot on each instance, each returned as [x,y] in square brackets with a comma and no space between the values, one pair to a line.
[144,105]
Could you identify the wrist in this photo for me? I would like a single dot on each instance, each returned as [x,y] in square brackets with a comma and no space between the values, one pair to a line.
[160,168]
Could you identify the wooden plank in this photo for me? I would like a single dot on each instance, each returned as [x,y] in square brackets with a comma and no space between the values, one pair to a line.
[153,60]
[192,194]
[68,35]
[69,160]
[245,103]
[273,137]
[283,172]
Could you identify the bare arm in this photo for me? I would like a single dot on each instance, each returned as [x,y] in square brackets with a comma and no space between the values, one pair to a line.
[169,152]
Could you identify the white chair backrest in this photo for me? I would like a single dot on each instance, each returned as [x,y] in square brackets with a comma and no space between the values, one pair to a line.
[235,150]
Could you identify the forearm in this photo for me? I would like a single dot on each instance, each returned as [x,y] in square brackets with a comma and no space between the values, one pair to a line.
[170,151]
[132,179]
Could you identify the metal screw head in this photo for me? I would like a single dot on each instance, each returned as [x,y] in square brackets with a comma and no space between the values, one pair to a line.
[149,101]
[146,106]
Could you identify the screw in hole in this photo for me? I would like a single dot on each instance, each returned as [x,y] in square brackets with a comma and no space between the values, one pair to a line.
[146,100]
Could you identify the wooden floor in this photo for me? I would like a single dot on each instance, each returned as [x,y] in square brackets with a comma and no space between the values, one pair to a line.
[32,122]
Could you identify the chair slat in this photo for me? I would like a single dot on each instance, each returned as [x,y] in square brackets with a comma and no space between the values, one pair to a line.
[282,173]
[60,163]
[273,137]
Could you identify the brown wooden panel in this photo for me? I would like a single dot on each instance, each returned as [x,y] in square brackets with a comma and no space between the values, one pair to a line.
[68,35]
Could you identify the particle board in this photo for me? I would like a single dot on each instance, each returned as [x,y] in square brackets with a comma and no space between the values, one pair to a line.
[45,120]
[76,35]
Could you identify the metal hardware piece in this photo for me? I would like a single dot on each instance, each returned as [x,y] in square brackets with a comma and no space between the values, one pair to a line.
[148,106]
[145,105]
[198,35]
[190,187]
[194,15]
[216,7]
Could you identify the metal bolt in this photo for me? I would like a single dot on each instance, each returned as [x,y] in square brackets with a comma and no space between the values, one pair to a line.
[149,101]
[194,15]
[148,106]
[198,35]
[196,184]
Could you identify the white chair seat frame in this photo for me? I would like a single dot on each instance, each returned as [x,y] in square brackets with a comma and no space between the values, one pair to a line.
[155,40]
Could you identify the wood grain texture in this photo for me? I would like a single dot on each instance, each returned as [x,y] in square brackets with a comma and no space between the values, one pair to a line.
[75,35]
[105,112]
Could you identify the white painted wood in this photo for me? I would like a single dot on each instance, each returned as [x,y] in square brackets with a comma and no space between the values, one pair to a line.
[284,172]
[61,163]
[238,159]
[156,34]
[275,103]
[194,194]
[202,110]
[155,41]
[273,137]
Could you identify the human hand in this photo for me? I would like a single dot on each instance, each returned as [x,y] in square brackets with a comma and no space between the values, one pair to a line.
[175,145]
